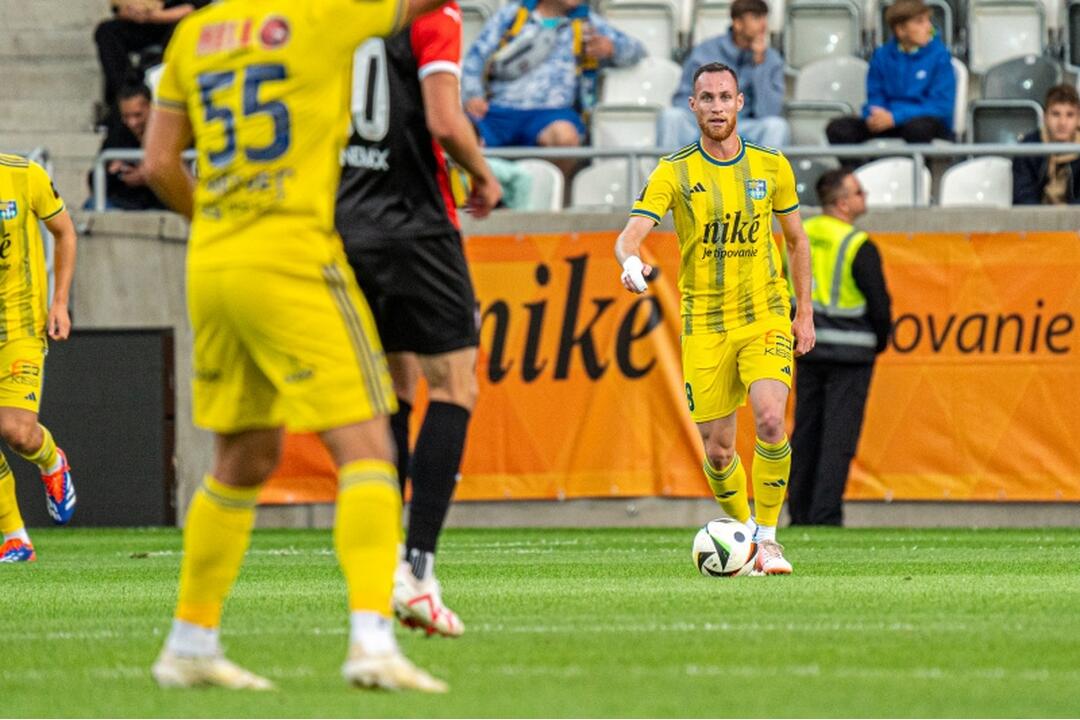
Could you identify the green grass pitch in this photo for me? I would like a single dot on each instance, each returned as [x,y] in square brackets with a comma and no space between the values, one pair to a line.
[576,623]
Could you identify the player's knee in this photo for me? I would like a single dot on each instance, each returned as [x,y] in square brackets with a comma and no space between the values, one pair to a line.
[770,424]
[19,434]
[720,456]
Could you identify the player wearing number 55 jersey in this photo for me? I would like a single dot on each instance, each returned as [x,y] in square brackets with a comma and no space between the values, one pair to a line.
[737,338]
[282,336]
[396,214]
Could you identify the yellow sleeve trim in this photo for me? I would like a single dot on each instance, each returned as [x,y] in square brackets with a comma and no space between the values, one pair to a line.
[53,214]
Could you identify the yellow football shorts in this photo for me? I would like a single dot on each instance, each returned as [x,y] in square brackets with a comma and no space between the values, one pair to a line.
[718,368]
[22,368]
[276,348]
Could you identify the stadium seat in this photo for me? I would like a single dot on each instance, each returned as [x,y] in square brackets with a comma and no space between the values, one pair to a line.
[1022,78]
[1003,29]
[491,6]
[807,172]
[1071,33]
[941,15]
[890,183]
[825,89]
[821,28]
[473,18]
[623,126]
[152,77]
[834,79]
[546,191]
[653,22]
[960,73]
[1003,121]
[808,119]
[711,18]
[981,182]
[604,185]
[650,82]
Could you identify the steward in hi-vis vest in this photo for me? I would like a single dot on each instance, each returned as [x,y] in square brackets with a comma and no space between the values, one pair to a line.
[852,321]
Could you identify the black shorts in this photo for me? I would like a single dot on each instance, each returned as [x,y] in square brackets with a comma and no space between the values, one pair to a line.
[419,291]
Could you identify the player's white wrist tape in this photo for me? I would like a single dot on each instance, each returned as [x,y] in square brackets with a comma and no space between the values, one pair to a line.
[632,271]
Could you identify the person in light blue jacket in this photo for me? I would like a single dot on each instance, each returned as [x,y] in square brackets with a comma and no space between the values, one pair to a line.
[910,87]
[531,73]
[760,68]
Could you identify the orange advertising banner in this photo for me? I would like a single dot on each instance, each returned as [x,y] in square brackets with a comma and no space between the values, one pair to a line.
[581,388]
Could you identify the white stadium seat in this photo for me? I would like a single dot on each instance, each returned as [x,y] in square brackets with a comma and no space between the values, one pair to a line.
[473,19]
[650,82]
[624,126]
[711,18]
[890,183]
[982,182]
[546,190]
[825,89]
[604,185]
[821,28]
[1003,29]
[653,23]
[960,72]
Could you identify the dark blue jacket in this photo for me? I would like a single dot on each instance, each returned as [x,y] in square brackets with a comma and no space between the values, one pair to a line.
[911,85]
[1030,174]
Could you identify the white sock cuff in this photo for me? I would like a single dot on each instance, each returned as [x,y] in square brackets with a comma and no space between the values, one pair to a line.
[192,640]
[372,631]
[765,532]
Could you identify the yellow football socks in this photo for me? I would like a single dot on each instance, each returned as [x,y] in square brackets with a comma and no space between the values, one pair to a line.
[367,532]
[772,468]
[216,536]
[10,519]
[45,457]
[729,488]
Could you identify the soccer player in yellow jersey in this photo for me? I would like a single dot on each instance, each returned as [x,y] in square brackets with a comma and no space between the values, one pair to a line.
[27,317]
[737,335]
[282,334]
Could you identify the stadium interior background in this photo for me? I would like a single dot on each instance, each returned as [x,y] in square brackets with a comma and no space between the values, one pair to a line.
[130,270]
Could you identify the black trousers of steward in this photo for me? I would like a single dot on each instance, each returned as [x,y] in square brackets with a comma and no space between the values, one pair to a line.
[830,402]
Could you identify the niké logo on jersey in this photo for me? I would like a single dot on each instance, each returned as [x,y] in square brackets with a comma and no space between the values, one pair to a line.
[9,210]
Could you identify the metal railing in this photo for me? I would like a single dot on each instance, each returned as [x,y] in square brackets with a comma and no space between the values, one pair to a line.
[919,153]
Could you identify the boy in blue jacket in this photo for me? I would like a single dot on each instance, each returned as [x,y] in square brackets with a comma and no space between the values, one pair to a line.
[910,88]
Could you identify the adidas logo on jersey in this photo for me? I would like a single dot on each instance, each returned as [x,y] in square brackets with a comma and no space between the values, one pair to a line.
[30,396]
[698,187]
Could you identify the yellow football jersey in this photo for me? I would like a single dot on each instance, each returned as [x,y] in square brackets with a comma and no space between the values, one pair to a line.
[27,196]
[265,84]
[730,274]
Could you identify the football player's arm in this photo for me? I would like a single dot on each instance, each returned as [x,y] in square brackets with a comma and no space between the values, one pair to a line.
[798,247]
[452,130]
[167,136]
[628,253]
[63,231]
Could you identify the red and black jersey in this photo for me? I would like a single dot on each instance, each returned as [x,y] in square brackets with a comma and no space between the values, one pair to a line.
[394,182]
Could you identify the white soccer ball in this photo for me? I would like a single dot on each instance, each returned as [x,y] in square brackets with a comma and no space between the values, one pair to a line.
[724,548]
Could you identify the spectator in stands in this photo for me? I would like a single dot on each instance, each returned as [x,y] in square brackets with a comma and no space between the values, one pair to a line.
[910,88]
[1051,179]
[531,74]
[137,25]
[760,68]
[126,187]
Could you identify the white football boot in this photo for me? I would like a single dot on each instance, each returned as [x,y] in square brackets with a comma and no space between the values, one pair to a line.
[418,604]
[389,670]
[770,559]
[183,671]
